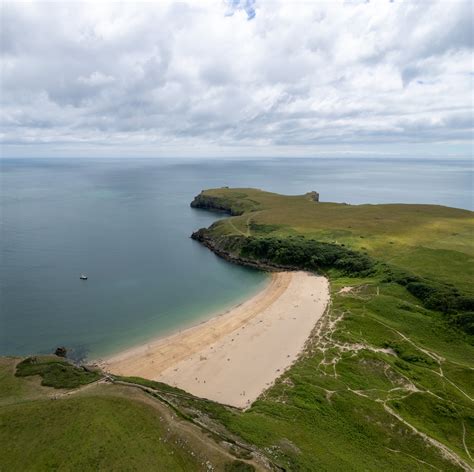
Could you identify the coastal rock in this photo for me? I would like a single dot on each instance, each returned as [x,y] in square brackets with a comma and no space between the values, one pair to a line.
[61,351]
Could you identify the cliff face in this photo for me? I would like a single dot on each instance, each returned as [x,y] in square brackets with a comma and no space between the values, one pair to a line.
[214,203]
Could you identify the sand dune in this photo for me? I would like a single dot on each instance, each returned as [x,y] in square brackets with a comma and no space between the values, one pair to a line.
[234,357]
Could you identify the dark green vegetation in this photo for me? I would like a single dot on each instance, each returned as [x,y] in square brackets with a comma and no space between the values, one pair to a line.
[387,380]
[56,372]
[291,252]
[457,307]
[305,254]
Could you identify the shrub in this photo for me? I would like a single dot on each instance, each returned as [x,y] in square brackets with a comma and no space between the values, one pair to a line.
[57,373]
[457,308]
[305,254]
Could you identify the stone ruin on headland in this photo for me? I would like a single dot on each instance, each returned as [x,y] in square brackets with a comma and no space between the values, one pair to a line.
[314,196]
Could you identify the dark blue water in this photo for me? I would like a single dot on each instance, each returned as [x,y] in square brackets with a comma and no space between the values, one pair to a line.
[126,223]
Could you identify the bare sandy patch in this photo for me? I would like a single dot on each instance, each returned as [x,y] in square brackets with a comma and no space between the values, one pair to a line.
[346,290]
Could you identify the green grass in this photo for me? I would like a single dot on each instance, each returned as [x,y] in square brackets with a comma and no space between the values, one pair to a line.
[87,433]
[41,430]
[16,389]
[387,353]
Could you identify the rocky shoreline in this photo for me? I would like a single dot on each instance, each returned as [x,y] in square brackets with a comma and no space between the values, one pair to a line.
[210,203]
[220,246]
[201,236]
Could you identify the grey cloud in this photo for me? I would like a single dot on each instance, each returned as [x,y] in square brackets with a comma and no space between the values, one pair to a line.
[322,73]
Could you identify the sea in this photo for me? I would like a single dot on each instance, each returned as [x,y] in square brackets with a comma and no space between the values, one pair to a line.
[126,223]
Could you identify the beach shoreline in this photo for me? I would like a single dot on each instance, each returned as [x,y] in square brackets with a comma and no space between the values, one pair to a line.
[175,334]
[234,356]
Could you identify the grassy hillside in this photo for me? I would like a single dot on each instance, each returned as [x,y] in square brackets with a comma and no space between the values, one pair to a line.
[94,426]
[386,383]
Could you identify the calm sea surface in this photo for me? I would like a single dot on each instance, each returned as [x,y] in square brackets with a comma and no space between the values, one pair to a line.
[126,223]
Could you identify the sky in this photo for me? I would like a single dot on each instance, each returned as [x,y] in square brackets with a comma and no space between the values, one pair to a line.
[237,78]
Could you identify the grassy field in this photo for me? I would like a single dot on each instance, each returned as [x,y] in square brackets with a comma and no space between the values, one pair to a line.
[385,382]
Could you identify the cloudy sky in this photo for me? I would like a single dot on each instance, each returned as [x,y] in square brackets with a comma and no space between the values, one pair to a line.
[237,78]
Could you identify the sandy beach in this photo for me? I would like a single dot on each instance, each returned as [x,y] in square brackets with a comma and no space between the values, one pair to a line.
[234,357]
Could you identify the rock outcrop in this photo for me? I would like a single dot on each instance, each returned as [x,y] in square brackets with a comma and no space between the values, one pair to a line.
[61,351]
[314,196]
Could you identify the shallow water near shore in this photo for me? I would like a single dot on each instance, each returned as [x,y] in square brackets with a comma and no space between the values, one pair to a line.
[126,223]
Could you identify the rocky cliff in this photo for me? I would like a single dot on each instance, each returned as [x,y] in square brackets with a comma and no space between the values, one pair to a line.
[215,203]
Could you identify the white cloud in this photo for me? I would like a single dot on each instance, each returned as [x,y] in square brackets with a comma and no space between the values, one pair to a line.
[288,77]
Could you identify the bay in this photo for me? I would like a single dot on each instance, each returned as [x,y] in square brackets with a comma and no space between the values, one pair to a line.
[127,222]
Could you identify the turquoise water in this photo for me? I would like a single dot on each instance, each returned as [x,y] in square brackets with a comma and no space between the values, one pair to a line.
[126,223]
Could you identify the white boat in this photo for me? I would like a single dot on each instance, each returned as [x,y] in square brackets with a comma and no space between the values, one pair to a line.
[83,277]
